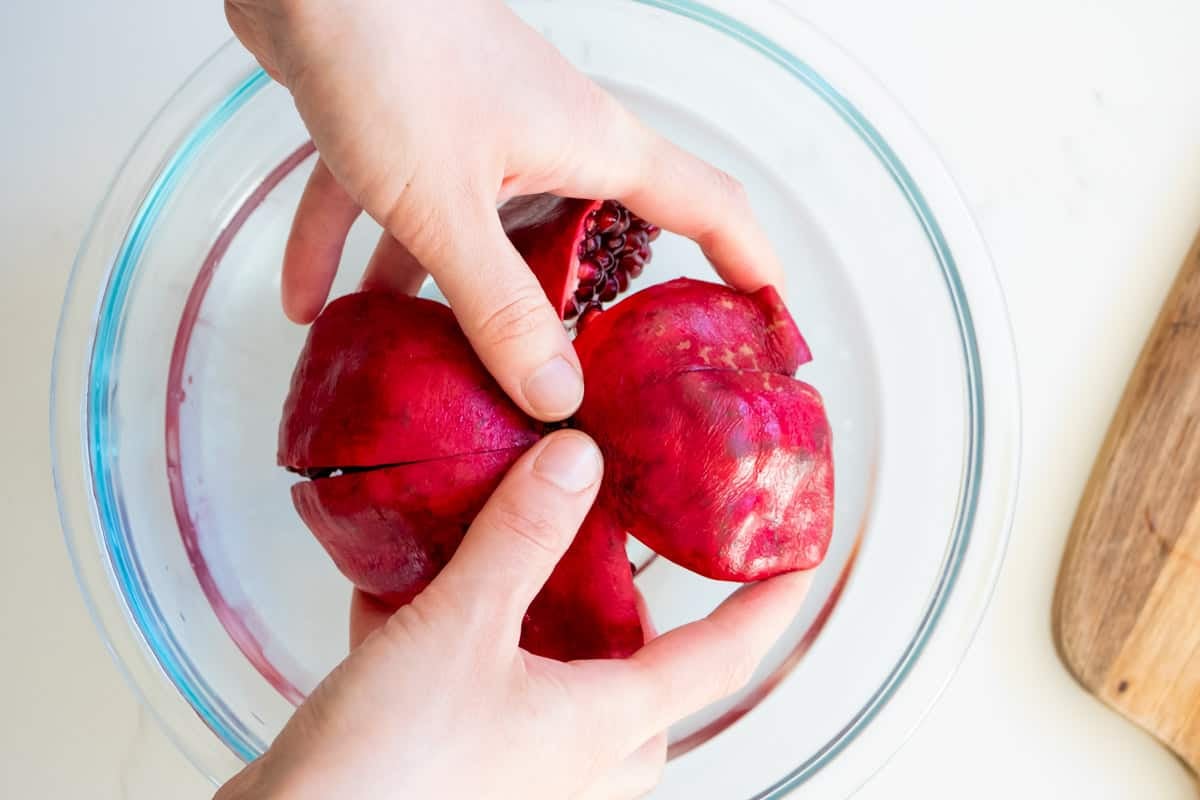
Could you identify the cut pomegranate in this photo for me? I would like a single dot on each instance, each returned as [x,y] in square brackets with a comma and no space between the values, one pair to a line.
[404,436]
[588,608]
[584,252]
[389,379]
[391,530]
[715,456]
[686,324]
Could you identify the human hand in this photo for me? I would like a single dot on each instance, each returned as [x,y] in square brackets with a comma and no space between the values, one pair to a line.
[439,701]
[427,114]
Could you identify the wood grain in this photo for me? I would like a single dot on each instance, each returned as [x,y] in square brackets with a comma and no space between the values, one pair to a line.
[1126,613]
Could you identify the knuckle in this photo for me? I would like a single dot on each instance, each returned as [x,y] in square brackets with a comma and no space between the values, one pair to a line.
[416,224]
[736,673]
[516,319]
[731,207]
[730,188]
[655,686]
[595,103]
[736,663]
[533,529]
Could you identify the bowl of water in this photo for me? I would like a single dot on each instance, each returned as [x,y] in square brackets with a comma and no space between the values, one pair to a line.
[173,360]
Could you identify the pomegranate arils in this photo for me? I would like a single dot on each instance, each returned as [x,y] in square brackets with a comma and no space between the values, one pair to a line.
[636,240]
[611,247]
[610,290]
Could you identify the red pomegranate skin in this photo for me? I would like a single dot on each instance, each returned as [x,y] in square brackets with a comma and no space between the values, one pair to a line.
[715,457]
[589,605]
[391,530]
[407,436]
[389,379]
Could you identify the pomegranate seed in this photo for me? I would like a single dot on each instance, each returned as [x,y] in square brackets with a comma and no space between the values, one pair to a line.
[590,271]
[606,218]
[613,249]
[636,244]
[588,314]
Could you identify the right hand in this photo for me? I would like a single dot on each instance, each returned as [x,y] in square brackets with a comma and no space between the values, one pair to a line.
[427,114]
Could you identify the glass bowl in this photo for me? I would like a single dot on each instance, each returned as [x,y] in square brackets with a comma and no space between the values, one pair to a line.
[173,359]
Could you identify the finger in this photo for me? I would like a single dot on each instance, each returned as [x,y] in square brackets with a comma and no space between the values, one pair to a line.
[649,629]
[684,194]
[367,615]
[393,267]
[501,307]
[684,670]
[617,156]
[314,246]
[523,530]
[634,777]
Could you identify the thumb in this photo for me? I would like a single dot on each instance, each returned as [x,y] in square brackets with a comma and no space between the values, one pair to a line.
[521,533]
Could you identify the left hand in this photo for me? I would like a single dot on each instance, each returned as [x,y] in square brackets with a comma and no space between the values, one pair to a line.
[439,701]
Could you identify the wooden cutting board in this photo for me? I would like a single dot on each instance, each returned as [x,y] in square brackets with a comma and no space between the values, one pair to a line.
[1127,607]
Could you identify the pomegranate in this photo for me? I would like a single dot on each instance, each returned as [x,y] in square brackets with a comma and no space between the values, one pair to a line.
[715,456]
[403,435]
[584,252]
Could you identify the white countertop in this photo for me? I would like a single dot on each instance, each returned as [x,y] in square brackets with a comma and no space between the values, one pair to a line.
[1073,128]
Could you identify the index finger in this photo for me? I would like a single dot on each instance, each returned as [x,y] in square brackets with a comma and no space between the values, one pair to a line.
[617,156]
[499,304]
[684,670]
[682,193]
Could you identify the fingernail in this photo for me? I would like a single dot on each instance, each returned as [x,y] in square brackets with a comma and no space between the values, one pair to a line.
[570,461]
[554,389]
